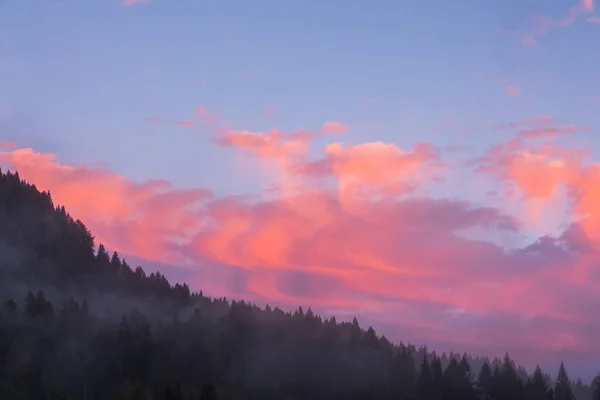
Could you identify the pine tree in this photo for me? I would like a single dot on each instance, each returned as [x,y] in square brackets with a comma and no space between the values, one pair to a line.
[102,256]
[484,381]
[437,377]
[596,388]
[537,389]
[115,263]
[424,389]
[562,389]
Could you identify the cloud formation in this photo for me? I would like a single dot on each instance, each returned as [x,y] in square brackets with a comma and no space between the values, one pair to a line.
[367,231]
[334,127]
[542,24]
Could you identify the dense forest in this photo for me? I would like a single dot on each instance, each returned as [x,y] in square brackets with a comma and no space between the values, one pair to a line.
[79,323]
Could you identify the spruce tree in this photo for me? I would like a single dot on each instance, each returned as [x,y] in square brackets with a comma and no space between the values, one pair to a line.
[484,382]
[596,388]
[562,389]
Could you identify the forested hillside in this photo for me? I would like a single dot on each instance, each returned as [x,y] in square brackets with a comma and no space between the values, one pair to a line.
[78,323]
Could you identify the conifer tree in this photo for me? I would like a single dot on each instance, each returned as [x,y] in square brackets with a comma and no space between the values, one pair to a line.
[596,388]
[484,381]
[562,389]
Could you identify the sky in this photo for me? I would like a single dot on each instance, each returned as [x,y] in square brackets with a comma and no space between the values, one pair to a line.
[429,167]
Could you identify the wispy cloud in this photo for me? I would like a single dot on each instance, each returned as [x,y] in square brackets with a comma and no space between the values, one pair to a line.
[7,145]
[542,24]
[153,120]
[334,127]
[133,2]
[188,123]
[511,90]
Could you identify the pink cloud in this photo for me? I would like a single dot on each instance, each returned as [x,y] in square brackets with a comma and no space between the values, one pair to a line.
[376,166]
[134,2]
[270,112]
[511,90]
[508,87]
[7,145]
[334,127]
[593,20]
[211,122]
[153,120]
[528,40]
[542,24]
[361,235]
[273,144]
[188,123]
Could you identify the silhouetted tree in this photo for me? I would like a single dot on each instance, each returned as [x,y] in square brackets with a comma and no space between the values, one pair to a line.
[562,389]
[596,388]
[536,387]
[484,382]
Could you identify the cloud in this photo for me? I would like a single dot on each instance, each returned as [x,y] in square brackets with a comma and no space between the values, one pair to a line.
[511,90]
[593,20]
[188,123]
[362,234]
[376,167]
[153,120]
[528,40]
[270,112]
[273,144]
[133,2]
[542,24]
[7,145]
[508,87]
[334,127]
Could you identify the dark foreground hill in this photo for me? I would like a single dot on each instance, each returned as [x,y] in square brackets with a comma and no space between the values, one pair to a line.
[78,323]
